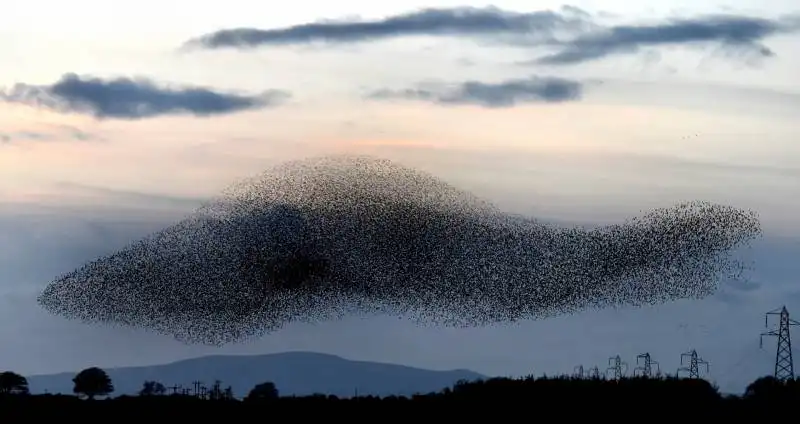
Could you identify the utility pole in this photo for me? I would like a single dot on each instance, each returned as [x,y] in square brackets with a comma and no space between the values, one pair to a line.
[216,390]
[694,364]
[784,364]
[616,365]
[197,385]
[579,372]
[646,369]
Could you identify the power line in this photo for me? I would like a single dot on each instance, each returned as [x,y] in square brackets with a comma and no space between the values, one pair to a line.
[694,364]
[784,363]
[617,365]
[646,369]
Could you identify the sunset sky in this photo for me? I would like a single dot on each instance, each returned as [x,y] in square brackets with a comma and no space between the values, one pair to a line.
[116,120]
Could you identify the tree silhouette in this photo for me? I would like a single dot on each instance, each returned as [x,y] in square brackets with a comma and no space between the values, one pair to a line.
[764,388]
[263,391]
[92,382]
[152,388]
[12,383]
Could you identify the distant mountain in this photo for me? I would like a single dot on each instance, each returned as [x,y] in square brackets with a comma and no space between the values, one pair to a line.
[294,373]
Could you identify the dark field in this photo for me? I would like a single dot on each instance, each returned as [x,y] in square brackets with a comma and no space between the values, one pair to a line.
[529,399]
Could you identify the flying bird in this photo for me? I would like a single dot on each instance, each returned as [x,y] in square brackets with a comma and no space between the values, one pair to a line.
[325,237]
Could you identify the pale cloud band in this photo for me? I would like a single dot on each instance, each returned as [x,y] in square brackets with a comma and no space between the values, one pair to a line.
[134,98]
[47,133]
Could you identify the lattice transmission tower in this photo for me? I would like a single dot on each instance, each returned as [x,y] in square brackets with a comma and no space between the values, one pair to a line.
[694,364]
[784,364]
[646,368]
[579,372]
[617,366]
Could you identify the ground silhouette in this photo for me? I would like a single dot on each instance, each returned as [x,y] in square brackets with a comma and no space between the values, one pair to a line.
[523,398]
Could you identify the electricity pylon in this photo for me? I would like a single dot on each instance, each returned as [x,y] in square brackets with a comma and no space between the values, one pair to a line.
[594,372]
[617,365]
[579,373]
[646,369]
[784,364]
[694,364]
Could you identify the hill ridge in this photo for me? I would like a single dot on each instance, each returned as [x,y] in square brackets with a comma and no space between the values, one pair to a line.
[294,372]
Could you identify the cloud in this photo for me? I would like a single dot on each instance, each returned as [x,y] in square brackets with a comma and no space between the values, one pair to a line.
[134,98]
[131,199]
[735,33]
[575,32]
[44,237]
[461,21]
[503,94]
[60,132]
[24,135]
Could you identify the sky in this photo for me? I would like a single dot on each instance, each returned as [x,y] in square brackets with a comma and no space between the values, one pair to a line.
[118,121]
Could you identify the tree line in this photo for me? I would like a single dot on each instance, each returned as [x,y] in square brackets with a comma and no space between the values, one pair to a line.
[94,382]
[695,393]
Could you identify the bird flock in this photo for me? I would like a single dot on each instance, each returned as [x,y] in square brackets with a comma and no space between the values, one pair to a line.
[322,238]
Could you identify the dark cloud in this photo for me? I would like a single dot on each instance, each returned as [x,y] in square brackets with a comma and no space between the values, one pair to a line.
[503,94]
[134,98]
[578,35]
[462,21]
[734,32]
